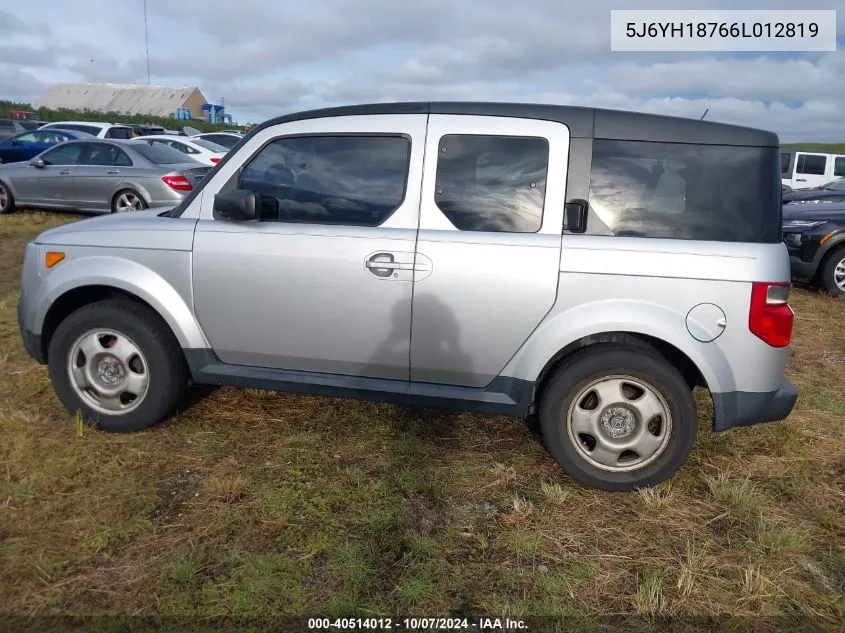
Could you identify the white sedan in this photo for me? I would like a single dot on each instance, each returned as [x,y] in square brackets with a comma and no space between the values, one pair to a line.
[201,150]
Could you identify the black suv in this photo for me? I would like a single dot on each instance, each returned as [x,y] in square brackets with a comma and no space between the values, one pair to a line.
[814,234]
[833,191]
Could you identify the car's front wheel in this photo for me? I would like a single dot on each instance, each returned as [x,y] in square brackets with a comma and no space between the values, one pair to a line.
[618,418]
[118,364]
[832,271]
[7,201]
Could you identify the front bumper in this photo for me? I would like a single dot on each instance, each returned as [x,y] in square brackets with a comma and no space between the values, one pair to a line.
[744,408]
[31,341]
[801,269]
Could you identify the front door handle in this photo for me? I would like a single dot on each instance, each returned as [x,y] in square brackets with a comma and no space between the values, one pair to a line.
[384,265]
[64,172]
[800,180]
[113,171]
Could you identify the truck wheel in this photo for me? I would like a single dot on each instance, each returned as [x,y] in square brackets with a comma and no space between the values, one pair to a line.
[7,201]
[832,271]
[118,364]
[617,418]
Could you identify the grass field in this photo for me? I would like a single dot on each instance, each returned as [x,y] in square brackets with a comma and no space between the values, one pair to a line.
[252,503]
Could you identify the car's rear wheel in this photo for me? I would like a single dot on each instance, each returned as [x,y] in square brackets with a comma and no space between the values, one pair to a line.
[7,201]
[127,200]
[832,271]
[118,364]
[617,418]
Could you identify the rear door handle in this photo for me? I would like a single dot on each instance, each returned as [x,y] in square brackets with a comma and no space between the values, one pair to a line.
[64,172]
[113,171]
[800,180]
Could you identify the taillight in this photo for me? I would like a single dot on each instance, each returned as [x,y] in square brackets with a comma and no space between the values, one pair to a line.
[179,183]
[215,160]
[771,318]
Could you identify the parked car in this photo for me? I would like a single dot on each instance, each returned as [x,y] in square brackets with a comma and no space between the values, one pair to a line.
[198,149]
[99,176]
[833,191]
[10,128]
[100,130]
[814,234]
[147,130]
[226,139]
[464,256]
[801,169]
[29,144]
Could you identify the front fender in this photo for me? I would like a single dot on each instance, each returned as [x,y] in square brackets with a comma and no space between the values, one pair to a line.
[567,326]
[129,276]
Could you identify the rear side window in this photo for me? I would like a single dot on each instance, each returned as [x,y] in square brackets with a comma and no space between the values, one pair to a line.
[785,163]
[119,132]
[492,183]
[349,180]
[680,191]
[106,154]
[811,164]
[839,166]
[7,125]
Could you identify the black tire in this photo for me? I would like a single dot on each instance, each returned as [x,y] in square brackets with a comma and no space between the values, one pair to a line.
[5,194]
[604,360]
[164,363]
[827,270]
[131,192]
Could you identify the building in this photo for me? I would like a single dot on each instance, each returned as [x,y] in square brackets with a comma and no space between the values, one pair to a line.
[141,99]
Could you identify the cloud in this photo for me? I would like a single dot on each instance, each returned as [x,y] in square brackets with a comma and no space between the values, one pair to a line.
[270,58]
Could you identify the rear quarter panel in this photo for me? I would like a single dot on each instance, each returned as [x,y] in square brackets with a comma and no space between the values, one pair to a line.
[648,286]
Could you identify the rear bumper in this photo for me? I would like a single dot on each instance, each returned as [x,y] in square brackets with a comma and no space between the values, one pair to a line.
[744,408]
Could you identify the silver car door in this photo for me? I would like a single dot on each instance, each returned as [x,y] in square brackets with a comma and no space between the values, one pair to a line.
[101,169]
[488,252]
[323,282]
[53,184]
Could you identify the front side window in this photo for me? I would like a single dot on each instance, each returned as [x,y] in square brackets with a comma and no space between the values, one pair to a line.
[350,180]
[119,132]
[785,163]
[811,164]
[63,155]
[682,191]
[492,183]
[839,166]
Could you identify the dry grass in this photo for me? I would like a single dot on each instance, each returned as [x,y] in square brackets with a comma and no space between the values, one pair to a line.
[254,503]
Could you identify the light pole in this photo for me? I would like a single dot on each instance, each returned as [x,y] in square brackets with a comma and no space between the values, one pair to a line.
[147,41]
[93,73]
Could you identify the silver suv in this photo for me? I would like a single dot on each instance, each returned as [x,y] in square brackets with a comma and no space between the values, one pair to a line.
[589,267]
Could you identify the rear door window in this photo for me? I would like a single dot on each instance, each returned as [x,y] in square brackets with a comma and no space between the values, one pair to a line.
[811,164]
[492,183]
[106,154]
[681,191]
[119,132]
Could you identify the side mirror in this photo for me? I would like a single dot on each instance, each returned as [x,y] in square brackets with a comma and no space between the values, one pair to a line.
[38,162]
[240,205]
[575,216]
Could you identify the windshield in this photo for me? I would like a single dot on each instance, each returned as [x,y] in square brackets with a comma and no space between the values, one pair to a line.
[209,145]
[158,153]
[835,185]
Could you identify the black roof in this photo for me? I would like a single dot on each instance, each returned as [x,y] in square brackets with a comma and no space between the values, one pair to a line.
[583,122]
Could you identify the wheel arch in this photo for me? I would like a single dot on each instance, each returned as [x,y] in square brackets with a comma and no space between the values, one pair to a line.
[81,282]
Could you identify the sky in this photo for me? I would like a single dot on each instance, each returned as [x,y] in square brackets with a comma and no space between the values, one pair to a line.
[270,57]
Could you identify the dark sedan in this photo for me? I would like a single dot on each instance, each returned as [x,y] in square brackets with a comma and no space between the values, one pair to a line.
[30,144]
[814,235]
[833,191]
